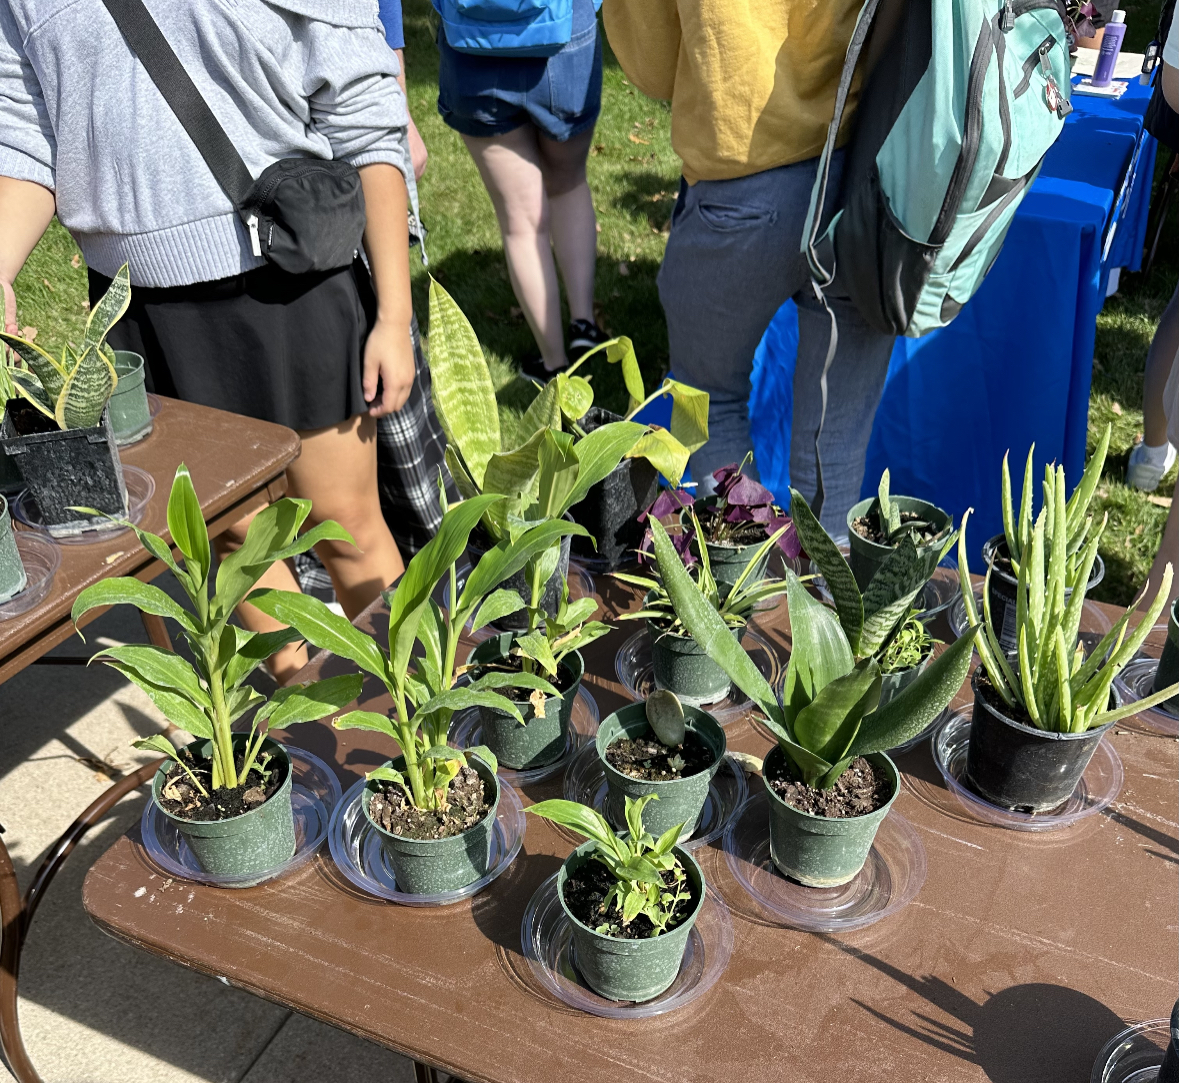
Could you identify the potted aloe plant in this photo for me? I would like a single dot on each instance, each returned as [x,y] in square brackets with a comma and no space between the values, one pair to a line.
[828,779]
[551,647]
[631,901]
[433,806]
[1039,718]
[228,793]
[681,664]
[12,570]
[58,429]
[876,526]
[1004,552]
[664,748]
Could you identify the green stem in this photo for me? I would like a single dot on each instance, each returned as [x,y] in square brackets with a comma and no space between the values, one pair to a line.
[222,734]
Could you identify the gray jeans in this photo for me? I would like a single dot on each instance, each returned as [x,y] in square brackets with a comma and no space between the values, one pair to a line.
[732,260]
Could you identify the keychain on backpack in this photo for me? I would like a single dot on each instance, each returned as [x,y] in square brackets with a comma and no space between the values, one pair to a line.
[1053,98]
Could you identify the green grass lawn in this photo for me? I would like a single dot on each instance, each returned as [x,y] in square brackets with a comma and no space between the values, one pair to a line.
[634,176]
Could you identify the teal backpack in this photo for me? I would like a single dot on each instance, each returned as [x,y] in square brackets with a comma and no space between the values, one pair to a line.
[952,126]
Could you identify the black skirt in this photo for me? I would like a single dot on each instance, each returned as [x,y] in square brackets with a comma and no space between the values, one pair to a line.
[267,344]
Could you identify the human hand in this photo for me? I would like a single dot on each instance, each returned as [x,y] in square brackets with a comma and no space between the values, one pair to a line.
[417,151]
[389,361]
[10,326]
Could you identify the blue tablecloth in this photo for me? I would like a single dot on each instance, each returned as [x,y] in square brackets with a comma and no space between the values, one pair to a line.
[1015,365]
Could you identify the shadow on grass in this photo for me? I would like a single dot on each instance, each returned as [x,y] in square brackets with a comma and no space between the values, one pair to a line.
[647,194]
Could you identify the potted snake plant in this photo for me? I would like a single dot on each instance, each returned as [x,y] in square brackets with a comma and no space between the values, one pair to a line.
[58,429]
[228,793]
[828,779]
[631,900]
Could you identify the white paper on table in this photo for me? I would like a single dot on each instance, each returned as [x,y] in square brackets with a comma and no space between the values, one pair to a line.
[1128,66]
[1115,89]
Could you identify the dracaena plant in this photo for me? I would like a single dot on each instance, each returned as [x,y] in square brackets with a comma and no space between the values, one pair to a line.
[1077,519]
[73,391]
[637,862]
[870,619]
[732,604]
[828,713]
[1052,681]
[207,697]
[423,686]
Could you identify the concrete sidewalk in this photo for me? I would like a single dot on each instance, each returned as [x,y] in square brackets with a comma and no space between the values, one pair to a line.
[94,1010]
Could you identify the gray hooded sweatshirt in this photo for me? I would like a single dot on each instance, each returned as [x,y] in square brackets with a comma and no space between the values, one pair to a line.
[285,78]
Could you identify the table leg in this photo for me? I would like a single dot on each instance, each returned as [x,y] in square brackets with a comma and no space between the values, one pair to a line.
[423,1073]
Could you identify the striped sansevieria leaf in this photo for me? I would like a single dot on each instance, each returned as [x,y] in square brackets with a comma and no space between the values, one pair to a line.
[86,390]
[109,310]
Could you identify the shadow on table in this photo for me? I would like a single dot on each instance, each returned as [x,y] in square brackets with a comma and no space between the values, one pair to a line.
[1018,1035]
[1153,834]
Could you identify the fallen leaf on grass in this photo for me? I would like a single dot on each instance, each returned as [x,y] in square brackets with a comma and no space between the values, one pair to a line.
[28,333]
[624,269]
[1117,408]
[632,137]
[48,285]
[76,261]
[598,148]
[1159,501]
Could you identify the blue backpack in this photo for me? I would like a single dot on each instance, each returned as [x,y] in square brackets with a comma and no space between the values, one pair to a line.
[507,27]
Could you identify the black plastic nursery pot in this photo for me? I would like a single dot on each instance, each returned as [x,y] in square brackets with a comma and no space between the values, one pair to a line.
[65,468]
[10,479]
[130,414]
[1168,671]
[823,851]
[434,866]
[634,970]
[681,800]
[1016,766]
[12,570]
[254,842]
[867,556]
[611,508]
[539,741]
[1004,587]
[550,598]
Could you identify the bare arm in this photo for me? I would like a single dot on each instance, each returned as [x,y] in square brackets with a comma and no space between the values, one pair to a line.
[417,148]
[388,354]
[26,209]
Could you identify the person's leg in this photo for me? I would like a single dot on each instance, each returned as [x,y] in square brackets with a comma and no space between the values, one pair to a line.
[1149,460]
[572,222]
[510,166]
[1168,554]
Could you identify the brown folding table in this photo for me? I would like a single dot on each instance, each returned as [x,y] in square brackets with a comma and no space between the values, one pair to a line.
[1021,955]
[238,466]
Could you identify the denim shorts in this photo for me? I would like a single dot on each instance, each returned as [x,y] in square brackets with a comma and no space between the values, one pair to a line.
[561,95]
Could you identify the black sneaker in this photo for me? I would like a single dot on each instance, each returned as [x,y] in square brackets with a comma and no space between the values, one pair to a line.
[584,335]
[533,369]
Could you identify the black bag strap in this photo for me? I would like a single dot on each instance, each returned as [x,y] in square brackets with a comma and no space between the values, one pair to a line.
[174,83]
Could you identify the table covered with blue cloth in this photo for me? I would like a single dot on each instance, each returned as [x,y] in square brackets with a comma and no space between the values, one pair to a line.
[1014,367]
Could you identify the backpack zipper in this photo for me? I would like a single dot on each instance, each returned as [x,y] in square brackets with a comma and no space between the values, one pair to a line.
[1037,56]
[255,242]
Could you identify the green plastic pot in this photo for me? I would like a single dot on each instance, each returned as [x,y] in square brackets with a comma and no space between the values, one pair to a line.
[823,851]
[893,684]
[433,866]
[539,741]
[1168,672]
[130,413]
[634,970]
[12,571]
[866,556]
[726,561]
[254,842]
[682,666]
[681,800]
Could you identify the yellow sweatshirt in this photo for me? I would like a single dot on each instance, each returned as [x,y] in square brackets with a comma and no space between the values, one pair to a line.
[751,82]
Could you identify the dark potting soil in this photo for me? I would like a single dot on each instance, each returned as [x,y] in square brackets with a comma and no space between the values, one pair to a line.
[649,759]
[718,532]
[868,526]
[585,890]
[563,681]
[27,420]
[994,700]
[860,789]
[180,797]
[467,805]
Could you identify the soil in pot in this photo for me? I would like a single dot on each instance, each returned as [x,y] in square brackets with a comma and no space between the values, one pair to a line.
[717,531]
[562,682]
[179,797]
[861,789]
[467,804]
[868,527]
[27,420]
[649,759]
[585,892]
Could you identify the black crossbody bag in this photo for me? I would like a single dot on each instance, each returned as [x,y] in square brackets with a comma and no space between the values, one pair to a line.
[303,214]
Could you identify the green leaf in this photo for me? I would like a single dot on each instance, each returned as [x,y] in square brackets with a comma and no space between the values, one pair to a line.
[849,603]
[585,821]
[485,754]
[827,725]
[575,395]
[544,411]
[1078,505]
[129,591]
[311,702]
[665,716]
[689,414]
[177,708]
[85,392]
[366,720]
[458,471]
[159,667]
[443,752]
[504,679]
[667,840]
[270,531]
[109,310]
[240,700]
[599,452]
[498,605]
[46,369]
[640,870]
[632,904]
[819,650]
[29,388]
[559,470]
[664,452]
[891,593]
[516,473]
[186,522]
[459,699]
[385,773]
[254,648]
[464,397]
[622,352]
[157,742]
[633,814]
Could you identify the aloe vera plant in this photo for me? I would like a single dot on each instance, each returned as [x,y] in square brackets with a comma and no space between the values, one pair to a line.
[423,688]
[828,714]
[74,391]
[206,699]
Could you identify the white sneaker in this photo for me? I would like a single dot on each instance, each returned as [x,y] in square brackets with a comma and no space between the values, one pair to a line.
[1143,472]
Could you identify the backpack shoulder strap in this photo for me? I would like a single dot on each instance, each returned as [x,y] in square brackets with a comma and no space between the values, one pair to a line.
[814,218]
[179,91]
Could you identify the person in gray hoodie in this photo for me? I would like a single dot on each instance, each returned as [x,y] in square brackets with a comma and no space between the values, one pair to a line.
[85,134]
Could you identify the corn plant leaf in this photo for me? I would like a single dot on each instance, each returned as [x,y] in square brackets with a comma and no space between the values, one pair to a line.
[460,699]
[388,773]
[849,603]
[171,694]
[366,720]
[186,522]
[129,591]
[29,388]
[463,393]
[253,648]
[504,679]
[157,742]
[689,414]
[544,411]
[535,645]
[109,309]
[85,392]
[310,702]
[598,453]
[585,821]
[664,452]
[46,368]
[164,668]
[270,531]
[827,725]
[575,394]
[485,754]
[819,653]
[499,604]
[560,466]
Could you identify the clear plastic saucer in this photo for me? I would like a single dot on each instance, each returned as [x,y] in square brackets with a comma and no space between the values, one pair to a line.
[1098,787]
[41,559]
[889,880]
[581,585]
[466,731]
[1135,682]
[1093,620]
[315,794]
[1133,1056]
[585,782]
[358,854]
[546,937]
[141,487]
[637,674]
